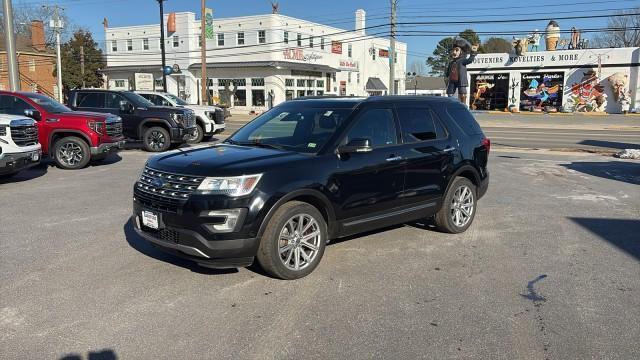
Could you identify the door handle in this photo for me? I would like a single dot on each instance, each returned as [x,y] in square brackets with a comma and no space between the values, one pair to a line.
[394,158]
[449,149]
[52,120]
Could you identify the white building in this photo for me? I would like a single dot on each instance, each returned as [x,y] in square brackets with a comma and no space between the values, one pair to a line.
[588,80]
[251,56]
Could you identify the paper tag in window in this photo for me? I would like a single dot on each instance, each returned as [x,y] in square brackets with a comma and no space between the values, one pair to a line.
[328,113]
[312,145]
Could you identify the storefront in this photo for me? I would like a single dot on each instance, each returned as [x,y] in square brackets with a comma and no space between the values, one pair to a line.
[589,80]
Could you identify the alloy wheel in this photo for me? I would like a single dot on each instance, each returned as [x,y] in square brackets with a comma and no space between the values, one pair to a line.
[70,154]
[299,242]
[462,206]
[156,140]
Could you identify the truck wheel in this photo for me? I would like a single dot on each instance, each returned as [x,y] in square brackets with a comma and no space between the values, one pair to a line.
[458,207]
[71,153]
[156,139]
[293,243]
[197,137]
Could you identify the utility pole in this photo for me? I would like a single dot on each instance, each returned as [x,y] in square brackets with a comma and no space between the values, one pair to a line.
[56,25]
[82,65]
[164,64]
[203,54]
[392,50]
[10,43]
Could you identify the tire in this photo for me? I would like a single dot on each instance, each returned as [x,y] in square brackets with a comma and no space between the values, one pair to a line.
[71,153]
[156,139]
[285,221]
[197,138]
[452,217]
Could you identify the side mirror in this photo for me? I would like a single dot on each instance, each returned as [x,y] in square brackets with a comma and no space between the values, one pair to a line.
[34,114]
[126,107]
[356,146]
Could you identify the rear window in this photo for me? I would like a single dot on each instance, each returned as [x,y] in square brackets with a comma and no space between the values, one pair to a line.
[419,124]
[463,118]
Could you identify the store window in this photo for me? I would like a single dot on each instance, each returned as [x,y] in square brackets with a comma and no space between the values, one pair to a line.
[309,92]
[114,45]
[288,82]
[299,39]
[286,37]
[321,43]
[541,91]
[489,91]
[319,92]
[129,45]
[257,97]
[300,93]
[240,38]
[349,77]
[349,50]
[240,95]
[310,83]
[145,44]
[300,82]
[289,94]
[257,82]
[320,83]
[310,41]
[119,83]
[176,41]
[262,37]
[220,39]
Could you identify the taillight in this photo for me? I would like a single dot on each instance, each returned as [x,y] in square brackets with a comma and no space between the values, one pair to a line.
[97,126]
[487,144]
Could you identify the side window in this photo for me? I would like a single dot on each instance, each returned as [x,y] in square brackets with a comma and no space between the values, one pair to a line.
[463,118]
[161,101]
[90,100]
[376,125]
[113,100]
[155,99]
[419,124]
[13,105]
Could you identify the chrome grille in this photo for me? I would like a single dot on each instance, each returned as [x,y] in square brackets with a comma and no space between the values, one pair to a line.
[163,190]
[189,119]
[24,135]
[219,118]
[114,129]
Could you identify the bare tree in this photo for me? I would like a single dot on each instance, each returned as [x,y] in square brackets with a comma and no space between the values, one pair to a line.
[24,13]
[622,31]
[418,67]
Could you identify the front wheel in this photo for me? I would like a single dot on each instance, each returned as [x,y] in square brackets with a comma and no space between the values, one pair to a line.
[458,207]
[156,139]
[197,136]
[294,241]
[71,153]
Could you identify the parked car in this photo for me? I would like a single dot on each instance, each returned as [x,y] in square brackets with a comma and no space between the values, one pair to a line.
[70,138]
[158,127]
[19,147]
[209,119]
[312,170]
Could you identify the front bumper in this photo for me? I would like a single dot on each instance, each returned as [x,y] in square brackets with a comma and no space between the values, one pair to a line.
[14,162]
[184,235]
[180,135]
[105,149]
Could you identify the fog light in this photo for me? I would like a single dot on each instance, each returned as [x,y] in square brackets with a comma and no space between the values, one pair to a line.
[229,220]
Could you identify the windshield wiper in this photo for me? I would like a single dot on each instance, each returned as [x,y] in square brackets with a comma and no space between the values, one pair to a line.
[255,143]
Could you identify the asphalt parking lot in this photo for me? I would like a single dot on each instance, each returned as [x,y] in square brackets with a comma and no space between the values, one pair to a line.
[549,269]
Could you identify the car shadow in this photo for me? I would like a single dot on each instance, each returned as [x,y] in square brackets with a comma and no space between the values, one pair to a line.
[106,354]
[621,233]
[26,175]
[623,171]
[608,144]
[146,248]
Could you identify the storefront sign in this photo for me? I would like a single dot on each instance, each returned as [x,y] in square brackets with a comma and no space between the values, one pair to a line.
[383,53]
[336,47]
[143,81]
[348,65]
[208,21]
[299,55]
[541,91]
[542,58]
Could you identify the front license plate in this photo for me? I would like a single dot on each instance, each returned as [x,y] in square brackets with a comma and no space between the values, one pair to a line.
[35,156]
[150,219]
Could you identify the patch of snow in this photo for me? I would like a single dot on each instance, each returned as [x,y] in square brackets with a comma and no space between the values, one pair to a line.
[629,154]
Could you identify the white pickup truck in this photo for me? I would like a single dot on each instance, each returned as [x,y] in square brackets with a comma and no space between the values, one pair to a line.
[19,145]
[209,119]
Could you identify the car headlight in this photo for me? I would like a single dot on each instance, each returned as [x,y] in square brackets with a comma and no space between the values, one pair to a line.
[97,126]
[231,186]
[210,114]
[3,130]
[177,117]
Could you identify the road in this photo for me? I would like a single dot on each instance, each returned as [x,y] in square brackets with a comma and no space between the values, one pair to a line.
[549,270]
[544,132]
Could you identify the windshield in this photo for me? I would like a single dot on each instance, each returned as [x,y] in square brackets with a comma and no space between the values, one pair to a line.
[50,105]
[137,100]
[176,99]
[292,127]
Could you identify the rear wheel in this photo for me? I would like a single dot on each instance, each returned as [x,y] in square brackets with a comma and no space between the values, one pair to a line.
[458,208]
[197,136]
[156,139]
[71,153]
[294,241]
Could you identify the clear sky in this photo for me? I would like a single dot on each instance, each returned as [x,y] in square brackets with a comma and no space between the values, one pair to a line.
[340,13]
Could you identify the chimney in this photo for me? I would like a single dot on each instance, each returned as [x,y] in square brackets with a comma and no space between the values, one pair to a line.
[360,22]
[37,35]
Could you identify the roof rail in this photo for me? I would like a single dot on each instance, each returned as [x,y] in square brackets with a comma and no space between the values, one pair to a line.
[328,97]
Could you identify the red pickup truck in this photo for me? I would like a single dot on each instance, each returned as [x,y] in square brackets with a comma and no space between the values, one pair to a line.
[70,138]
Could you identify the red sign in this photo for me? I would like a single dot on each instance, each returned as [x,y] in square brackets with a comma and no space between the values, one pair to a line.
[293,54]
[336,47]
[348,65]
[383,53]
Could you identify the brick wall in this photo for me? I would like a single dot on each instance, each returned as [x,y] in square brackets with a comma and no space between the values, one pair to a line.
[36,72]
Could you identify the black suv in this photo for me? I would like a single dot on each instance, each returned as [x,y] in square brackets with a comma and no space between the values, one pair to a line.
[311,170]
[157,126]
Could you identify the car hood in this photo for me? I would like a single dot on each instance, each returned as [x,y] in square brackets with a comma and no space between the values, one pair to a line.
[83,115]
[223,160]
